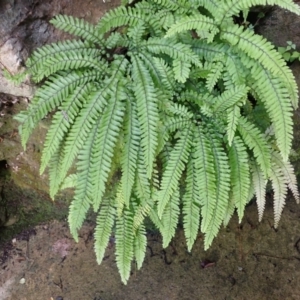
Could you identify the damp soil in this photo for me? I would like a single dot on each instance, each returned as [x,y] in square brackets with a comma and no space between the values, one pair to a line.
[250,260]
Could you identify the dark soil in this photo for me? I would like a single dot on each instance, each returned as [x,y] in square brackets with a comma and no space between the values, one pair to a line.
[246,261]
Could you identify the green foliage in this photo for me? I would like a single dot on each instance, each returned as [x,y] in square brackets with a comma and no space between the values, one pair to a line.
[166,108]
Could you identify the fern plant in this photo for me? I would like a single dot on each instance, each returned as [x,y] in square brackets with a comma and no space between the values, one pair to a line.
[169,110]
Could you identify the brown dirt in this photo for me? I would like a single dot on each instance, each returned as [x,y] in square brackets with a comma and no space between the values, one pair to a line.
[247,261]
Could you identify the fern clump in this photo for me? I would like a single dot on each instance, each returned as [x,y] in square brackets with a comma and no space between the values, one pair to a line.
[168,109]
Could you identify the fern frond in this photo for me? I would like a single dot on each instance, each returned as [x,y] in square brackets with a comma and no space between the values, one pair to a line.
[73,59]
[62,121]
[110,124]
[206,176]
[170,218]
[42,55]
[53,92]
[124,16]
[204,25]
[280,189]
[288,173]
[88,115]
[104,223]
[232,7]
[175,166]
[214,75]
[240,175]
[124,244]
[259,49]
[232,121]
[275,98]
[130,152]
[259,184]
[222,171]
[77,27]
[191,205]
[181,70]
[69,182]
[255,140]
[140,243]
[173,49]
[147,111]
[83,192]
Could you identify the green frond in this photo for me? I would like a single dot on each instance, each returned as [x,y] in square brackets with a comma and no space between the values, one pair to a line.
[211,5]
[206,177]
[110,124]
[43,55]
[275,98]
[83,197]
[234,96]
[214,75]
[141,212]
[191,205]
[205,26]
[73,59]
[77,27]
[140,243]
[232,7]
[175,166]
[262,51]
[222,171]
[69,182]
[56,89]
[167,76]
[124,16]
[288,173]
[104,223]
[62,121]
[130,151]
[89,113]
[170,218]
[229,210]
[181,70]
[147,111]
[171,48]
[124,244]
[256,141]
[232,121]
[239,175]
[181,5]
[280,189]
[259,183]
